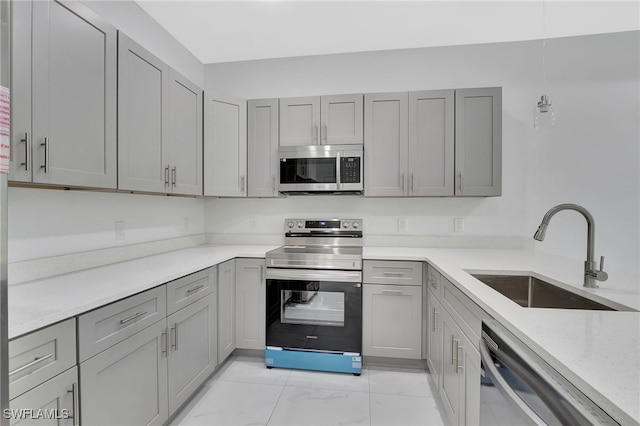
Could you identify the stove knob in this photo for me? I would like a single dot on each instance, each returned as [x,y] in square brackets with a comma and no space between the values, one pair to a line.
[290,225]
[300,224]
[345,225]
[356,225]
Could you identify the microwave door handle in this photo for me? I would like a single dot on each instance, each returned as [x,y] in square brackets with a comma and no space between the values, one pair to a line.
[507,391]
[338,170]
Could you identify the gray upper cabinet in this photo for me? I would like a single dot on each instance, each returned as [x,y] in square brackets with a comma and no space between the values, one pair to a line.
[159,125]
[478,155]
[300,121]
[434,143]
[386,144]
[262,147]
[185,133]
[143,90]
[225,146]
[64,76]
[326,120]
[431,143]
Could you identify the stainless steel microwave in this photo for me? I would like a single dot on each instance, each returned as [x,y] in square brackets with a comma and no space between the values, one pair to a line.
[321,169]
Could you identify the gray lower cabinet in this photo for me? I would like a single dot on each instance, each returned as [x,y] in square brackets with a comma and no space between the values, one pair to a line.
[251,299]
[193,348]
[392,309]
[262,148]
[453,357]
[127,383]
[226,309]
[63,95]
[54,402]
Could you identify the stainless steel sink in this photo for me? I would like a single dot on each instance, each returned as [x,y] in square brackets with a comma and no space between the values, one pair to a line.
[532,292]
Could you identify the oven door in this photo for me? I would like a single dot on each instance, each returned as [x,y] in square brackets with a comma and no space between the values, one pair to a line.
[314,310]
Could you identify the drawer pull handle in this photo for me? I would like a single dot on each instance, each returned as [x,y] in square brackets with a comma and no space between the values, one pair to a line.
[398,292]
[74,395]
[196,288]
[394,274]
[132,317]
[31,364]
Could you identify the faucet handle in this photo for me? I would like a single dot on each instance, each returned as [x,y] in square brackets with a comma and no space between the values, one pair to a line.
[601,275]
[601,263]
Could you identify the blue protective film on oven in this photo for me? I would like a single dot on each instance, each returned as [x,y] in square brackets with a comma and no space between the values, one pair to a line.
[318,361]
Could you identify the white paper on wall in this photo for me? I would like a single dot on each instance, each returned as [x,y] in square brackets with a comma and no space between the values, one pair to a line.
[5,129]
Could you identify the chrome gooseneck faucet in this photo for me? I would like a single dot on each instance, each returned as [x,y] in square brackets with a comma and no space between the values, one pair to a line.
[591,273]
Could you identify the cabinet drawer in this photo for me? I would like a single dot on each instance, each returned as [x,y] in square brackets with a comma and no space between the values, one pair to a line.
[186,290]
[466,314]
[433,280]
[392,272]
[106,326]
[39,356]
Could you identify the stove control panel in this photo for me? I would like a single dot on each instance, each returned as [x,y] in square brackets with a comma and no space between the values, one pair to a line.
[310,225]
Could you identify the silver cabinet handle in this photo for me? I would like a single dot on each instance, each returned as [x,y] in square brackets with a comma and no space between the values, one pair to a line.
[324,132]
[261,274]
[132,317]
[74,399]
[398,292]
[173,176]
[242,179]
[315,134]
[174,337]
[31,364]
[435,318]
[196,288]
[166,175]
[454,354]
[451,348]
[45,166]
[412,186]
[402,182]
[163,342]
[393,274]
[27,149]
[274,184]
[458,366]
[460,181]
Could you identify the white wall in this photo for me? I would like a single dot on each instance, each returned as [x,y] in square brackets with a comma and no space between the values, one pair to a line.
[130,18]
[582,70]
[44,223]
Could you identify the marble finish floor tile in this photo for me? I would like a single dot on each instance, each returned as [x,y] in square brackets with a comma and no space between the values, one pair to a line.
[324,380]
[396,381]
[308,406]
[234,403]
[393,410]
[252,370]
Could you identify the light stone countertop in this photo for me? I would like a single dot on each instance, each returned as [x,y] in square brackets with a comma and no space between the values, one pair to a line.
[598,351]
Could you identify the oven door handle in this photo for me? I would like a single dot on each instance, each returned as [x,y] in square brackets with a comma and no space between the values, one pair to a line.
[507,391]
[314,275]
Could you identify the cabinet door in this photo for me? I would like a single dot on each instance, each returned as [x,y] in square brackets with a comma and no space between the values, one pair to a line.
[185,135]
[300,121]
[21,136]
[342,119]
[192,349]
[431,143]
[142,119]
[57,398]
[251,299]
[451,391]
[226,309]
[470,362]
[225,146]
[392,321]
[127,383]
[434,338]
[385,144]
[479,142]
[262,147]
[74,96]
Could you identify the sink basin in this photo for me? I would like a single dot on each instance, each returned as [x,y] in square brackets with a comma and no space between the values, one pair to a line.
[532,292]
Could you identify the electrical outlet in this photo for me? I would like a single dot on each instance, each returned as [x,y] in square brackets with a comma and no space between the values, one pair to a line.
[402,224]
[458,224]
[252,223]
[120,230]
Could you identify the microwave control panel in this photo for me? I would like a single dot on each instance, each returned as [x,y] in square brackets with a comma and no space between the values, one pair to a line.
[350,170]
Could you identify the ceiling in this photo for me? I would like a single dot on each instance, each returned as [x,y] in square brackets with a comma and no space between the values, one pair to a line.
[226,31]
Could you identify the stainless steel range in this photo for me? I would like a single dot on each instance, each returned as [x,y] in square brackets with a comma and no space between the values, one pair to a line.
[314,297]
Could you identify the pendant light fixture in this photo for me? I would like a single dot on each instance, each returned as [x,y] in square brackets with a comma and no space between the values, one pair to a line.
[544,114]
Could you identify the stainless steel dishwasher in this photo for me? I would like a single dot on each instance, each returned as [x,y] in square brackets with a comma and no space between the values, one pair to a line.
[517,387]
